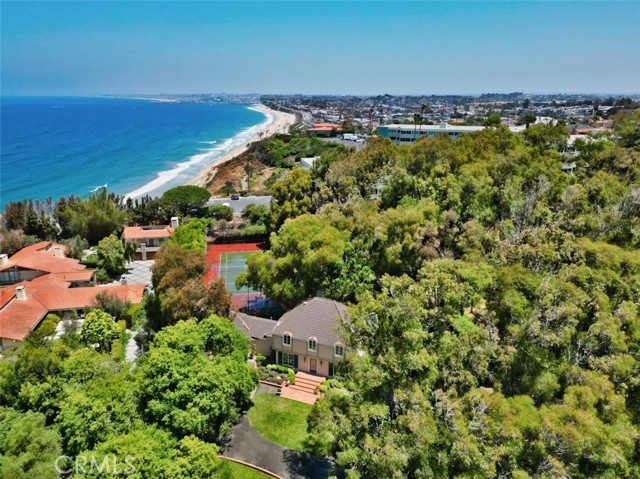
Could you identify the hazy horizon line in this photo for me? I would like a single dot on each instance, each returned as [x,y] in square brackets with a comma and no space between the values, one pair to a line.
[594,93]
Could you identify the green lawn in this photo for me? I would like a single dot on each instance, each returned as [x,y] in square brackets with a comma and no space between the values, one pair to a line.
[232,470]
[280,420]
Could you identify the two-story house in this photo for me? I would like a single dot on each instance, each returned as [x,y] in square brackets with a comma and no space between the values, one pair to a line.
[149,238]
[306,338]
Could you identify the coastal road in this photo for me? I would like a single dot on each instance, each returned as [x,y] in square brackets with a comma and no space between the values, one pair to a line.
[240,204]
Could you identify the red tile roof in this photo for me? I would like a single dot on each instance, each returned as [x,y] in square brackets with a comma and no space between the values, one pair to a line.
[50,292]
[74,276]
[143,232]
[325,127]
[6,294]
[19,317]
[77,298]
[41,257]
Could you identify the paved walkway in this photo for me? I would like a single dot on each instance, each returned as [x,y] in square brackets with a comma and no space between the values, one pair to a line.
[248,445]
[132,350]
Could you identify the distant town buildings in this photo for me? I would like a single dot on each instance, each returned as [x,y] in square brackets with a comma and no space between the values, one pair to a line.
[402,134]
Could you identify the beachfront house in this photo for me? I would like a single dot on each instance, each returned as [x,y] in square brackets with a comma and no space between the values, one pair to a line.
[149,238]
[306,338]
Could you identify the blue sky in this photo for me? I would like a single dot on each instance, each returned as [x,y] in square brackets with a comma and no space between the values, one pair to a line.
[312,47]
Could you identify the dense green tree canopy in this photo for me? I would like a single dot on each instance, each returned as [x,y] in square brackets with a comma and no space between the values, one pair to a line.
[220,212]
[95,218]
[180,291]
[60,398]
[499,335]
[111,252]
[100,329]
[182,200]
[191,236]
[194,380]
[304,253]
[28,448]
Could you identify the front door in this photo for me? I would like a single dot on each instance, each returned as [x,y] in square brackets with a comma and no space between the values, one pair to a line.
[313,365]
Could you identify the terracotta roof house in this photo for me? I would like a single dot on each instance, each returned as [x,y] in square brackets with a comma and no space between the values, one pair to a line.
[306,338]
[24,306]
[149,238]
[324,129]
[39,260]
[48,282]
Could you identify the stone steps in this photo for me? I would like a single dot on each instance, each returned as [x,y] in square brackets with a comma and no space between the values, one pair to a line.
[309,388]
[306,383]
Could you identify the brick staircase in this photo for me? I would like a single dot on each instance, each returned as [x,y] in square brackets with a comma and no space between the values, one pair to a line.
[307,382]
[304,388]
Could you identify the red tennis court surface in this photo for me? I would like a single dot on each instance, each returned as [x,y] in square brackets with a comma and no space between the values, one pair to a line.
[214,251]
[250,299]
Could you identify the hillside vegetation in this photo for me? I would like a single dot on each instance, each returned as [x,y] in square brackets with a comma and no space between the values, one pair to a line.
[495,303]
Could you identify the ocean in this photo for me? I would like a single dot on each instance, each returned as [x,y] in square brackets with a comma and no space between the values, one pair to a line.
[58,146]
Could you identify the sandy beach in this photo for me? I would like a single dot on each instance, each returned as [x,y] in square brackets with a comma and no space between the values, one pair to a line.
[279,122]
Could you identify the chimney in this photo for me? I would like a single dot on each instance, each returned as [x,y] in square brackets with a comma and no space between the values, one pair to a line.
[57,252]
[175,222]
[21,294]
[4,259]
[123,280]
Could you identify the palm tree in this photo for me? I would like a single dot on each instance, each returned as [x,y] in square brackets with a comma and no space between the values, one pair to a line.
[417,117]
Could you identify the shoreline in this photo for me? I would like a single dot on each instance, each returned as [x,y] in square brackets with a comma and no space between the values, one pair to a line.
[277,122]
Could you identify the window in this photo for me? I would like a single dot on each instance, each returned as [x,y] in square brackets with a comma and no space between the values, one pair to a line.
[313,344]
[9,277]
[288,360]
[286,339]
[338,350]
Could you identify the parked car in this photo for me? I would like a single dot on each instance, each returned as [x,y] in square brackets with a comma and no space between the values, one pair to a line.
[235,197]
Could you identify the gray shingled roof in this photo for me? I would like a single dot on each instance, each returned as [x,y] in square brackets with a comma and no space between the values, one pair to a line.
[317,317]
[254,327]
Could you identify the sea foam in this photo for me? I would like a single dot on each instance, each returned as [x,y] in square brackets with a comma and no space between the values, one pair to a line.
[166,179]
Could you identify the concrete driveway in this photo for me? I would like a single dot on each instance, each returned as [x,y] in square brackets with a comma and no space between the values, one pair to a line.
[241,203]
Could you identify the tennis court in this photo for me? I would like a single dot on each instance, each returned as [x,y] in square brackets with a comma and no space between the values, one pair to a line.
[231,265]
[227,261]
